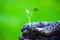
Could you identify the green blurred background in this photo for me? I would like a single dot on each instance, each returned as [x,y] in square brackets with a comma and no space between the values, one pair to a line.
[13,15]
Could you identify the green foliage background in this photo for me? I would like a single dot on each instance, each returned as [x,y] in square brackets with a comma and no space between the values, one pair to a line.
[13,15]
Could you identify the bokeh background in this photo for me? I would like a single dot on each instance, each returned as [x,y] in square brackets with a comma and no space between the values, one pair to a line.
[13,15]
